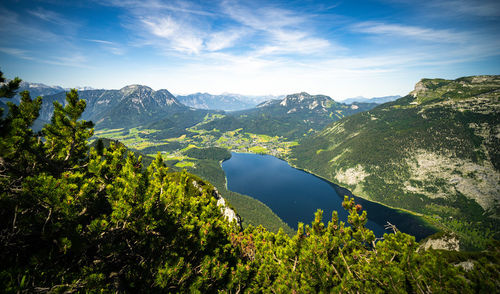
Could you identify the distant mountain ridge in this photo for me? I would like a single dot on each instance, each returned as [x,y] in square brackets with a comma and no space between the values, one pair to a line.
[379,100]
[39,89]
[226,101]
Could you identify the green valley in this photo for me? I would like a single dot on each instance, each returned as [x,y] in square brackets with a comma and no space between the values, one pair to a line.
[272,128]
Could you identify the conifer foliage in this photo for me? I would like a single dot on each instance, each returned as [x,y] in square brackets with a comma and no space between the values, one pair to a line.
[80,220]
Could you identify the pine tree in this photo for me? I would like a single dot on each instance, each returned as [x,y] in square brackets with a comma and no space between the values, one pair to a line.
[20,147]
[9,89]
[66,136]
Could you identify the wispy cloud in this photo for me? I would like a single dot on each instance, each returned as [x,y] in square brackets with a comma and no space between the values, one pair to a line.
[282,31]
[480,8]
[20,53]
[51,34]
[224,39]
[12,25]
[488,8]
[112,47]
[414,32]
[158,6]
[73,60]
[266,30]
[100,41]
[180,37]
[49,16]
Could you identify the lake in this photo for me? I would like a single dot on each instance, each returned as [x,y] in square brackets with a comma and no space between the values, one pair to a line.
[295,195]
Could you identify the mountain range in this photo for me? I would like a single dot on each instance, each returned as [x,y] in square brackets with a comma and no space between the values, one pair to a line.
[130,106]
[39,89]
[227,102]
[137,105]
[379,100]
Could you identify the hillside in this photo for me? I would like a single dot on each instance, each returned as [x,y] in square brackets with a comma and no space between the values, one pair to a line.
[434,151]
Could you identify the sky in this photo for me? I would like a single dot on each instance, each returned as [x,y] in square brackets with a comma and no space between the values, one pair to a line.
[337,48]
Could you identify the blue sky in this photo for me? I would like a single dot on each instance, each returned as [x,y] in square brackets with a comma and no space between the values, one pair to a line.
[338,48]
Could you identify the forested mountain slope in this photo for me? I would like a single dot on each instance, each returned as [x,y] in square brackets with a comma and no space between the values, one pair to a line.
[434,151]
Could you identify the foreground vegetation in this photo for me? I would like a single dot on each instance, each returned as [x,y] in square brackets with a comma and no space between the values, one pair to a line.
[97,221]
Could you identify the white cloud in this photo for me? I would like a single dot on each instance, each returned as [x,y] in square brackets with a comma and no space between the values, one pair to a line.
[164,27]
[224,39]
[180,37]
[100,41]
[267,30]
[112,47]
[12,25]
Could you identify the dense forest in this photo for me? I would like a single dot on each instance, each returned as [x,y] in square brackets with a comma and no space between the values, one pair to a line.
[80,219]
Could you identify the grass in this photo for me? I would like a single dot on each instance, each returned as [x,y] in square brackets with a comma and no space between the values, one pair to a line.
[183,164]
[258,149]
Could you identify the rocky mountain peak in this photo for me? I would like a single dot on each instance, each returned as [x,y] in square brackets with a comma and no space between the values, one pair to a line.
[305,100]
[127,90]
[436,90]
[419,89]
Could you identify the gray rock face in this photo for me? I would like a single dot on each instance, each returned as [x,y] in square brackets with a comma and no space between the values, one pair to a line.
[467,265]
[448,241]
[229,213]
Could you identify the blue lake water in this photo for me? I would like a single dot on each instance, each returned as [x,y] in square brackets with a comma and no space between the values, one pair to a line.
[295,195]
